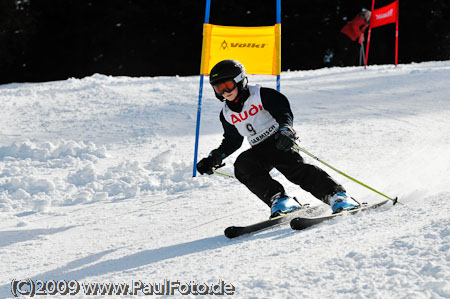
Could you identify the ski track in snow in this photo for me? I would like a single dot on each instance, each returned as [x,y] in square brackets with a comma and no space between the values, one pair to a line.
[96,186]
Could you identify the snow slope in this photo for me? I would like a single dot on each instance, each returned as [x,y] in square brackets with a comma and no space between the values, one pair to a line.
[96,186]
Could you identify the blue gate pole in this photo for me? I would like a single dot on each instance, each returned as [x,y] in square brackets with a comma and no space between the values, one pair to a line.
[278,22]
[199,106]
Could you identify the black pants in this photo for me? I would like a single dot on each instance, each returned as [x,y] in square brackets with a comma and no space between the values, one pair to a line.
[347,52]
[252,168]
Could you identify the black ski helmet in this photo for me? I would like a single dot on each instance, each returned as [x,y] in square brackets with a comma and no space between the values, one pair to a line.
[226,70]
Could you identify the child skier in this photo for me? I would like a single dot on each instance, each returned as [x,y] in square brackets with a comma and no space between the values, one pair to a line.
[264,116]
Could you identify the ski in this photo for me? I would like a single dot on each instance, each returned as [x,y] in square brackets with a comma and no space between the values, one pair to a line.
[236,231]
[299,223]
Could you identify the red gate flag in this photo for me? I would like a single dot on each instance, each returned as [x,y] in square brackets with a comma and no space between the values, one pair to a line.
[385,15]
[382,16]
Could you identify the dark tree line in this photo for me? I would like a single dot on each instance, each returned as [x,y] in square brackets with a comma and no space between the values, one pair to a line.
[42,40]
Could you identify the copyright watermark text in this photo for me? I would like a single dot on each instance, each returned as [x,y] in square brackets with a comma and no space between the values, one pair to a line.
[31,288]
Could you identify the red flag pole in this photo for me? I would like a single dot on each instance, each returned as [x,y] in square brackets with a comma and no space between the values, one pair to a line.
[396,35]
[368,36]
[367,47]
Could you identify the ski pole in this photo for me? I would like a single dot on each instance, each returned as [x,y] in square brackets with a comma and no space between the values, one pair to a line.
[222,174]
[346,175]
[361,53]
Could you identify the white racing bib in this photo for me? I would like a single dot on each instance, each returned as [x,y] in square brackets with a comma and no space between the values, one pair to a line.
[253,121]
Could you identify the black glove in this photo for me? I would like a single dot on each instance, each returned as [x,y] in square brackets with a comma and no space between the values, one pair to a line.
[207,164]
[285,138]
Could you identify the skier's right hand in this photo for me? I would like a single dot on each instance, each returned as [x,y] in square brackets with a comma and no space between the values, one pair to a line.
[207,164]
[285,138]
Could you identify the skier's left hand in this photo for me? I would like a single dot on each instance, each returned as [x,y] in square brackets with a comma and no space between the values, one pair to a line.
[285,138]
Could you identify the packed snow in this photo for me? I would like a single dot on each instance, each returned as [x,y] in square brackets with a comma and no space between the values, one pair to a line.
[96,186]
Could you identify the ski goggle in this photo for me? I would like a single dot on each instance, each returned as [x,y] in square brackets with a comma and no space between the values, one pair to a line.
[223,87]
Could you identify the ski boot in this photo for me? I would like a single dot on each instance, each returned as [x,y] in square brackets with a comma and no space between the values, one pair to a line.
[342,202]
[283,204]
